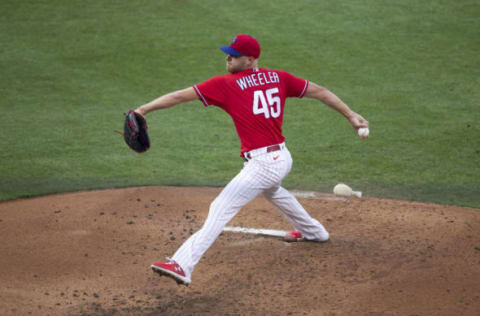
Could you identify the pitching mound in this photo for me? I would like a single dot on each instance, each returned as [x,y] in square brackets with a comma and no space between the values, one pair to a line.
[89,254]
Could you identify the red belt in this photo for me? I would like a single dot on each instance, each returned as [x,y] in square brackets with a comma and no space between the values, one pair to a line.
[269,150]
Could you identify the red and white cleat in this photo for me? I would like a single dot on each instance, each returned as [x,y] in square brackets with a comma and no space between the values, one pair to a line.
[297,236]
[171,269]
[293,236]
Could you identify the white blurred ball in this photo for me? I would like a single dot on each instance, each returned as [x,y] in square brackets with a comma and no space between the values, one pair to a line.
[363,132]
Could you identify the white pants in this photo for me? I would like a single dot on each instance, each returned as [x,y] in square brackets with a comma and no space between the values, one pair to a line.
[261,174]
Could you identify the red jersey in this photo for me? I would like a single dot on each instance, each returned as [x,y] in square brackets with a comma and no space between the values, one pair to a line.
[255,99]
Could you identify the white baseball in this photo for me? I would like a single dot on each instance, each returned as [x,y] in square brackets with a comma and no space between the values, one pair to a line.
[363,132]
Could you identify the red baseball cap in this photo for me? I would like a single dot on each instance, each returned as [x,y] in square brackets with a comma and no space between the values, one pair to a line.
[243,45]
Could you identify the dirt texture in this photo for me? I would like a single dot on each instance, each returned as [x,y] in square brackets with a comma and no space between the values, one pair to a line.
[89,253]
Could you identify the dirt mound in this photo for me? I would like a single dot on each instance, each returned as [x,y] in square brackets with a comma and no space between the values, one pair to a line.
[89,253]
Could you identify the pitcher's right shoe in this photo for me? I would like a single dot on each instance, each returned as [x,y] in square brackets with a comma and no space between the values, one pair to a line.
[293,236]
[297,236]
[171,269]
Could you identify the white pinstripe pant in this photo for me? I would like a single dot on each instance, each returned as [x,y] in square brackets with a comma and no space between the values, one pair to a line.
[261,174]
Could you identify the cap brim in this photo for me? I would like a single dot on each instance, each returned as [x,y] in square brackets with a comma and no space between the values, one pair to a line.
[230,51]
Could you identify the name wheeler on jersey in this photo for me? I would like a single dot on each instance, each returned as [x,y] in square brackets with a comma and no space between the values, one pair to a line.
[258,79]
[255,100]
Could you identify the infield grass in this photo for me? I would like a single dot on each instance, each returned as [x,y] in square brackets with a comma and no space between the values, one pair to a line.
[70,69]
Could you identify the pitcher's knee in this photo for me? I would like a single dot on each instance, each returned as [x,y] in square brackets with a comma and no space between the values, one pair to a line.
[217,206]
[222,211]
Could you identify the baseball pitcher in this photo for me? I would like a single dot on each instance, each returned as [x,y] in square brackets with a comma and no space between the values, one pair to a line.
[255,99]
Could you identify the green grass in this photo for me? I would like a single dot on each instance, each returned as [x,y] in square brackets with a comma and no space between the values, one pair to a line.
[70,69]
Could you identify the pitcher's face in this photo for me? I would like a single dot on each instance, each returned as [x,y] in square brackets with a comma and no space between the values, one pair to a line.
[238,63]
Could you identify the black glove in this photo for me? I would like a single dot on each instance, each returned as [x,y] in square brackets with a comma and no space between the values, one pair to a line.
[135,132]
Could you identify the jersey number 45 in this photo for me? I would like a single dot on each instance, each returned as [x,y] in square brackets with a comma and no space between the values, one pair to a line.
[267,103]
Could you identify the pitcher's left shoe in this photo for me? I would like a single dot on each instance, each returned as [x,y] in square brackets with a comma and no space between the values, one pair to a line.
[171,269]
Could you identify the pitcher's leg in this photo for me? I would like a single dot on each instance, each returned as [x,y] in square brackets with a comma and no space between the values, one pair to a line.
[310,228]
[236,194]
